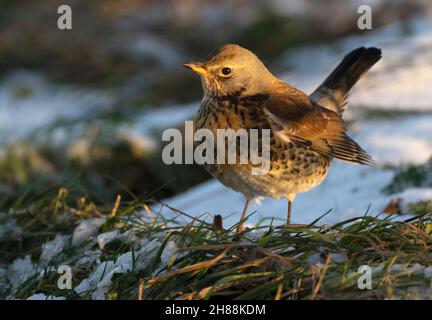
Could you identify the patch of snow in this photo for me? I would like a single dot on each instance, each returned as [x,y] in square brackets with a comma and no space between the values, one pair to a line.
[25,93]
[428,272]
[156,120]
[52,248]
[314,259]
[338,258]
[413,195]
[169,250]
[406,140]
[100,280]
[147,45]
[144,132]
[104,238]
[377,269]
[20,270]
[3,284]
[348,190]
[86,229]
[89,256]
[9,227]
[415,269]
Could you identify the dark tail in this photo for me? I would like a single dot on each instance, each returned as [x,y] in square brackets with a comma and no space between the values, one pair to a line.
[333,92]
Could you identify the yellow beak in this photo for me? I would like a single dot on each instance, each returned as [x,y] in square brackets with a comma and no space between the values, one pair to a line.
[197,67]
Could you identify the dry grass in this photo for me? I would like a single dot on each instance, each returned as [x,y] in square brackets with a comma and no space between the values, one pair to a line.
[267,262]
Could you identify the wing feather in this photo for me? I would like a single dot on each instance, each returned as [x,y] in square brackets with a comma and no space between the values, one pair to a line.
[297,118]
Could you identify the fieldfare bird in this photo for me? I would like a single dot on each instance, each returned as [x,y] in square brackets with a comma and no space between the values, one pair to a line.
[306,131]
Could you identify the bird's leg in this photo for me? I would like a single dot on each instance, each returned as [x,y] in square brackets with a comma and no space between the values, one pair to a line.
[290,198]
[240,226]
[289,212]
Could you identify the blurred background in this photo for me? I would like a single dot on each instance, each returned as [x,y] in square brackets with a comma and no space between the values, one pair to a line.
[85,108]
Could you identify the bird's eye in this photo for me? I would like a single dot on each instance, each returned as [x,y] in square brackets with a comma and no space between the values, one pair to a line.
[226,71]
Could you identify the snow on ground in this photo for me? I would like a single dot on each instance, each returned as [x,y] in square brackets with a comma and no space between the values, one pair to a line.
[8,226]
[101,277]
[19,271]
[143,131]
[98,282]
[104,238]
[28,102]
[52,248]
[86,229]
[23,269]
[398,141]
[346,191]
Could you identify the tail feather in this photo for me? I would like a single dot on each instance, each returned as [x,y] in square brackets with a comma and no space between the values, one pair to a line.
[333,92]
[344,148]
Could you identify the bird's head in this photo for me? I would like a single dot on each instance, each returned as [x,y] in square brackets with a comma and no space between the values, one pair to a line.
[233,69]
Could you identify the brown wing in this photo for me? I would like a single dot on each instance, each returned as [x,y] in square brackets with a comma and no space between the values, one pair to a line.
[302,121]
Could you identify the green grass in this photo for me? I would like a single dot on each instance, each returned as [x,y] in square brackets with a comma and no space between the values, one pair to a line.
[266,262]
[276,265]
[411,176]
